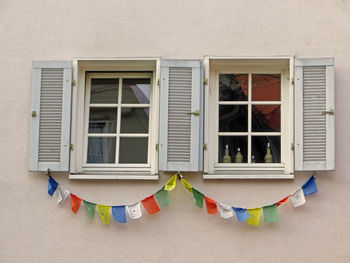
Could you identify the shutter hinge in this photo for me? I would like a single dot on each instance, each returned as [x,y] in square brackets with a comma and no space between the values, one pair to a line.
[292,146]
[205,146]
[71,147]
[205,81]
[157,147]
[292,81]
[330,112]
[74,82]
[158,82]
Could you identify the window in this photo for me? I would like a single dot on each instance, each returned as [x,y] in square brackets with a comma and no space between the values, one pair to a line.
[229,117]
[250,112]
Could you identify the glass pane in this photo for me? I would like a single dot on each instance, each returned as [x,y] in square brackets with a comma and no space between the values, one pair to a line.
[101,150]
[134,120]
[233,87]
[266,87]
[103,120]
[233,149]
[260,152]
[133,150]
[233,118]
[136,91]
[266,118]
[104,90]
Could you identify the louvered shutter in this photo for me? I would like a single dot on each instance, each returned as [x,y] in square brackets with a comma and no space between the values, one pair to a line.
[180,130]
[50,115]
[314,114]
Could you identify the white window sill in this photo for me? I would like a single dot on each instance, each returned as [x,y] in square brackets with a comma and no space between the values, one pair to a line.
[115,176]
[248,175]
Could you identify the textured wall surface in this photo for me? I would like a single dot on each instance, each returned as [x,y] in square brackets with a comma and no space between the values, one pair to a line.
[35,229]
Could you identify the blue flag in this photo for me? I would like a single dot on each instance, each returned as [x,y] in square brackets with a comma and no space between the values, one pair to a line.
[119,213]
[310,186]
[52,186]
[241,213]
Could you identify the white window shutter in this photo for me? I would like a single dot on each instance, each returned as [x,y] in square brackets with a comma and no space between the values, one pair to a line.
[50,115]
[314,115]
[180,132]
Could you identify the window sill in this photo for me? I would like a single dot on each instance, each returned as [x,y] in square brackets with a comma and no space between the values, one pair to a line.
[248,175]
[115,176]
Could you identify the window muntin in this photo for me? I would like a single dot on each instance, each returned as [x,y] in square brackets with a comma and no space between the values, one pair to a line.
[117,119]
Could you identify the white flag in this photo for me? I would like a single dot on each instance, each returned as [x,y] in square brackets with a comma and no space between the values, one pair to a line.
[62,194]
[134,210]
[225,210]
[298,197]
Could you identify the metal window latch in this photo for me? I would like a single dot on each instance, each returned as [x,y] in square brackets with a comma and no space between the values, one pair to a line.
[205,146]
[195,113]
[157,147]
[205,81]
[33,114]
[330,112]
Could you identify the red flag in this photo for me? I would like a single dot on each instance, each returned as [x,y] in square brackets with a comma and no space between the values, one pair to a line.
[211,205]
[150,204]
[75,202]
[284,200]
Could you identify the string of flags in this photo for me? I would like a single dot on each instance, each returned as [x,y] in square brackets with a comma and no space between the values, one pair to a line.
[161,199]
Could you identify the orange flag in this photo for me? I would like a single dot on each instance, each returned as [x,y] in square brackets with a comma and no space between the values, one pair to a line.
[150,204]
[211,205]
[284,200]
[75,202]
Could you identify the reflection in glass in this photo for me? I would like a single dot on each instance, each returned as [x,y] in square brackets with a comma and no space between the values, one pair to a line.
[259,148]
[102,120]
[233,142]
[133,150]
[134,120]
[233,87]
[233,118]
[104,90]
[101,150]
[266,87]
[136,91]
[266,118]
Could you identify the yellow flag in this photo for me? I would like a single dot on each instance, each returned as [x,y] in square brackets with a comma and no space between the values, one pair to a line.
[104,211]
[171,184]
[186,185]
[254,216]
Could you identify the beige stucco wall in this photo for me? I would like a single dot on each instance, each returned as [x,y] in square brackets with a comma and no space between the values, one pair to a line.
[33,227]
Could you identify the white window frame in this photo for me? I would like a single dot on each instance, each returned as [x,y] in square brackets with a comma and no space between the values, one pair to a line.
[219,65]
[80,101]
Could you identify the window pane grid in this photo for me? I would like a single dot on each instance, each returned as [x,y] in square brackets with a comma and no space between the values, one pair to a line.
[249,134]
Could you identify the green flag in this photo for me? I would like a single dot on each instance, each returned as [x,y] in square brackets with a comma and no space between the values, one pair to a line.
[198,197]
[90,208]
[162,197]
[270,213]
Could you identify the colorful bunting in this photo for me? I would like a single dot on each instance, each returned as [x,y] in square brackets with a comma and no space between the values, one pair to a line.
[75,202]
[90,208]
[150,204]
[310,186]
[283,201]
[211,206]
[134,210]
[162,197]
[254,216]
[62,194]
[171,184]
[225,210]
[186,185]
[52,186]
[119,213]
[270,213]
[104,211]
[241,213]
[198,198]
[298,197]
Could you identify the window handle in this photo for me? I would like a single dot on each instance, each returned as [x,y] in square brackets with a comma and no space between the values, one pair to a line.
[195,113]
